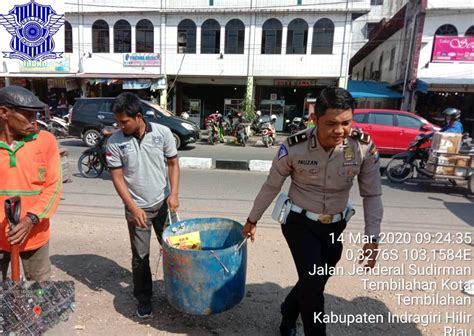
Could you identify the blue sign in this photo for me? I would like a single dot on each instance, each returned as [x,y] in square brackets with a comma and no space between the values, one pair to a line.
[32,26]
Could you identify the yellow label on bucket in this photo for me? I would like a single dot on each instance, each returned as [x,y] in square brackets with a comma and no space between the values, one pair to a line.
[188,241]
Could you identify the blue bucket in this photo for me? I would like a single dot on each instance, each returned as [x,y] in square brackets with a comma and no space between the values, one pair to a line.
[210,280]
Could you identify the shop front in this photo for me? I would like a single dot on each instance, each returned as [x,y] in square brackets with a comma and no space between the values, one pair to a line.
[442,93]
[286,98]
[199,97]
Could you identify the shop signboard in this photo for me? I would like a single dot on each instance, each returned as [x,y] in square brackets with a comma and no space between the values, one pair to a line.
[295,82]
[453,49]
[47,66]
[141,60]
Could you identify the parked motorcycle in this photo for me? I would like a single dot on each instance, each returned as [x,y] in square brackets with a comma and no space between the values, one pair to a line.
[256,125]
[239,129]
[93,162]
[415,162]
[297,124]
[214,128]
[269,132]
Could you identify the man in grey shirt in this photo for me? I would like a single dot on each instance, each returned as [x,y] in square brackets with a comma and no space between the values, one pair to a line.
[137,156]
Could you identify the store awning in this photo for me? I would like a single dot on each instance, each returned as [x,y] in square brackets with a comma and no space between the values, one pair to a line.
[371,89]
[468,80]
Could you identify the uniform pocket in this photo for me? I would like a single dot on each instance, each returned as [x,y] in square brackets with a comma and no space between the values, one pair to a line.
[39,173]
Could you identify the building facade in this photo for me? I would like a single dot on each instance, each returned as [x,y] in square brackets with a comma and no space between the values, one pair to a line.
[429,59]
[203,55]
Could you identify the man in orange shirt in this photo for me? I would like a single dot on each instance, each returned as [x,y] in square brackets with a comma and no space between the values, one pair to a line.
[30,168]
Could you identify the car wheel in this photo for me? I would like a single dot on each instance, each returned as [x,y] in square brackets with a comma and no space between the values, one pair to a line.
[177,140]
[91,137]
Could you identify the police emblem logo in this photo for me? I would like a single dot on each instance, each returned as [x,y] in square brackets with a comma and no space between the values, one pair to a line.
[32,26]
[348,154]
[282,152]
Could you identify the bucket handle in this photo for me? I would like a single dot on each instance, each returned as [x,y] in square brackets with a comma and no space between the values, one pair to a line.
[219,261]
[238,247]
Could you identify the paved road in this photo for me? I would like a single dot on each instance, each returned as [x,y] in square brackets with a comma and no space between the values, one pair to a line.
[203,150]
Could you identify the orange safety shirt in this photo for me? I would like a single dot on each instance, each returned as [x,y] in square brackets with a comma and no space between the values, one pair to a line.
[31,170]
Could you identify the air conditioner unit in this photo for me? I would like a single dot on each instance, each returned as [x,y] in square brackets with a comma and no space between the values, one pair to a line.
[375,75]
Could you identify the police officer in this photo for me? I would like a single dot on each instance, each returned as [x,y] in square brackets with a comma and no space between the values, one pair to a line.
[322,163]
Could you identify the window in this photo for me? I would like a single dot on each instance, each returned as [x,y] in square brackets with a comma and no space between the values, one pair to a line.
[210,37]
[234,37]
[297,37]
[359,117]
[447,30]
[408,122]
[385,119]
[376,2]
[271,37]
[469,31]
[370,30]
[323,36]
[144,36]
[67,37]
[299,2]
[392,59]
[100,37]
[122,37]
[187,37]
[371,69]
[363,74]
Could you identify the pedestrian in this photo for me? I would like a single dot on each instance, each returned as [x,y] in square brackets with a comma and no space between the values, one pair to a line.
[29,168]
[142,157]
[322,163]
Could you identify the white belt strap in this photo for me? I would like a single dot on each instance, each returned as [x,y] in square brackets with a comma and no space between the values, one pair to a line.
[322,218]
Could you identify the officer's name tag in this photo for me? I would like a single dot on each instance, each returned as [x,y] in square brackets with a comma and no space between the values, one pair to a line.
[350,164]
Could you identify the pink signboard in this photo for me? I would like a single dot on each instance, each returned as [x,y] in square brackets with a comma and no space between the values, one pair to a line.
[453,49]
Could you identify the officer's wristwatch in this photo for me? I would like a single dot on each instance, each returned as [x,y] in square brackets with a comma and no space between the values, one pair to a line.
[33,218]
[253,223]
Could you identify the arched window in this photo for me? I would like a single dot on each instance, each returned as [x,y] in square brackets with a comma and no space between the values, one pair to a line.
[323,36]
[297,37]
[380,66]
[144,36]
[447,30]
[122,37]
[186,37]
[210,37]
[469,31]
[67,37]
[234,37]
[271,37]
[100,37]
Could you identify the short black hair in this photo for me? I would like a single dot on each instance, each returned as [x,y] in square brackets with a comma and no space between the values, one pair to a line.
[128,103]
[334,98]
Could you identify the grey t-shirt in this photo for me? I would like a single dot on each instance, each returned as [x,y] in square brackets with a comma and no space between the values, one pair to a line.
[143,162]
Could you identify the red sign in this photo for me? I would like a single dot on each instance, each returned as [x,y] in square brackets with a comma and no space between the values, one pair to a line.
[453,49]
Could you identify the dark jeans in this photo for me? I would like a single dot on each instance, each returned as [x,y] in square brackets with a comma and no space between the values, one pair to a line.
[310,246]
[140,243]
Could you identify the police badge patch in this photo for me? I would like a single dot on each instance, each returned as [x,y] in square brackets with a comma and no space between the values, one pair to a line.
[282,152]
[32,26]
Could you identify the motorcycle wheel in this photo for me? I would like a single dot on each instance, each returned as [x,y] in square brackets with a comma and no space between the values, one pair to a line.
[398,171]
[89,165]
[470,184]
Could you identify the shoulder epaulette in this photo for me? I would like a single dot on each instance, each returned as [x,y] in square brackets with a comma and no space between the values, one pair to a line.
[359,135]
[297,138]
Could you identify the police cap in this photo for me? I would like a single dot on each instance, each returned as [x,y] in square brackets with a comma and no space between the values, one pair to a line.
[17,96]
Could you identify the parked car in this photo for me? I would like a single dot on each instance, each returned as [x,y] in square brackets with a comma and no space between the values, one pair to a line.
[391,130]
[90,114]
